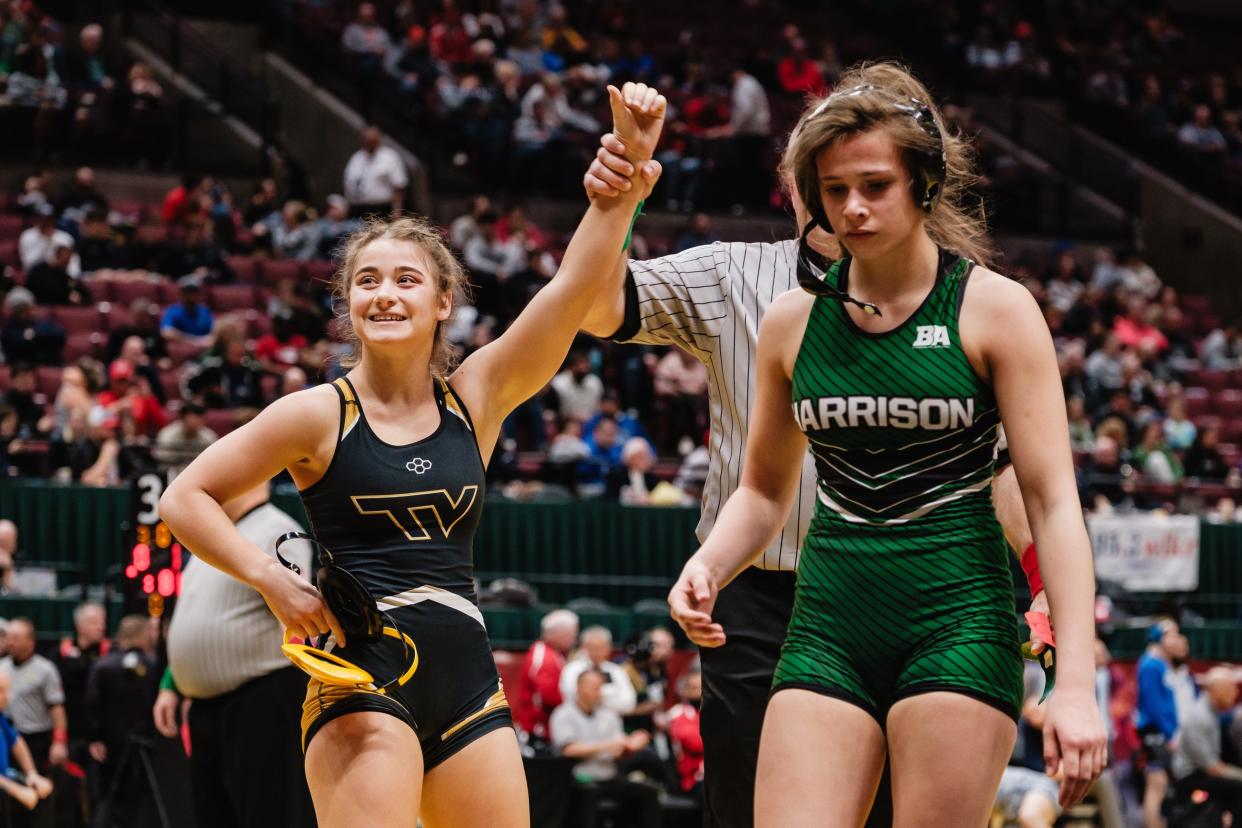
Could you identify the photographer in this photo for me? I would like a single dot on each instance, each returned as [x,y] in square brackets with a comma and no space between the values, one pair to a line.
[646,664]
[119,693]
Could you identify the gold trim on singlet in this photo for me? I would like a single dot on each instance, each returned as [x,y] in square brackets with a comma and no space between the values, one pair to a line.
[453,404]
[497,701]
[351,415]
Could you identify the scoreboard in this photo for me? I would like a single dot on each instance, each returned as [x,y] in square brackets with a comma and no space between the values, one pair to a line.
[156,559]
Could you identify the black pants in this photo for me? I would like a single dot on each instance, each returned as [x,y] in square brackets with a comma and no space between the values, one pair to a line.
[246,761]
[1227,793]
[44,814]
[754,610]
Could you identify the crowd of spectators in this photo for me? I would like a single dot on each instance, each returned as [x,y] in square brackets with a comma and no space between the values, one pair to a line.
[69,722]
[631,724]
[67,91]
[1160,83]
[134,334]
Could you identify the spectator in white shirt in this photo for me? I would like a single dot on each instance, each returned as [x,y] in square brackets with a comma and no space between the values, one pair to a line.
[559,113]
[578,390]
[618,692]
[36,243]
[366,39]
[375,178]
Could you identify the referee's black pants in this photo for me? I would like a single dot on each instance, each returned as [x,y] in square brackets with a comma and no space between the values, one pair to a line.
[246,755]
[737,678]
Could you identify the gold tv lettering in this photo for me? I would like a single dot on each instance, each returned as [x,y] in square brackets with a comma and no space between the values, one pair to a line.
[404,509]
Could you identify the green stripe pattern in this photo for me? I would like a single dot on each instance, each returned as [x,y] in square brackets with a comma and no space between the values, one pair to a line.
[903,585]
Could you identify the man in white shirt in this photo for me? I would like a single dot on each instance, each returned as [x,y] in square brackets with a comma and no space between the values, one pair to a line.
[375,178]
[578,390]
[36,243]
[618,692]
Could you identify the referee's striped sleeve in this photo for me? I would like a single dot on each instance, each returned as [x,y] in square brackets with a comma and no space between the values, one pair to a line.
[680,300]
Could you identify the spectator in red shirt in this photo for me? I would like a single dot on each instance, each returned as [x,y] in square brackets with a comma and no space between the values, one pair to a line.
[682,726]
[1135,330]
[281,347]
[125,391]
[183,201]
[539,686]
[799,75]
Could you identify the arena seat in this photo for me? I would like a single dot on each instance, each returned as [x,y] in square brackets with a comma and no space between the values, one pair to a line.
[47,380]
[244,267]
[179,351]
[226,298]
[171,381]
[316,271]
[78,319]
[11,227]
[272,272]
[1228,403]
[8,253]
[220,420]
[83,344]
[126,291]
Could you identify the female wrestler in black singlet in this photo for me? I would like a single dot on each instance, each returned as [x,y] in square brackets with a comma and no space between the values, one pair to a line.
[390,463]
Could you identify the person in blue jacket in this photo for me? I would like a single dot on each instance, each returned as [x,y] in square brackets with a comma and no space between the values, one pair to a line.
[1156,717]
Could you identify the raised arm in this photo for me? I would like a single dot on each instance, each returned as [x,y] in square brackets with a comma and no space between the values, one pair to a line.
[1016,349]
[769,484]
[498,377]
[295,432]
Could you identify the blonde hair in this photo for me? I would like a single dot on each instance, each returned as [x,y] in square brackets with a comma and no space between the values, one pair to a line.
[874,95]
[449,275]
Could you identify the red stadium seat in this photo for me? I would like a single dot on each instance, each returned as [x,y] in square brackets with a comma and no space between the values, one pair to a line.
[317,271]
[4,378]
[226,298]
[115,315]
[245,268]
[83,344]
[1230,452]
[171,380]
[168,292]
[1198,402]
[1231,430]
[11,227]
[1228,403]
[125,292]
[1195,303]
[47,380]
[220,420]
[8,253]
[257,324]
[273,272]
[179,351]
[1209,421]
[78,319]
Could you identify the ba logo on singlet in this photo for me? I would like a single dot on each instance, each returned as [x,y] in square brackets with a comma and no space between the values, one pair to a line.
[930,413]
[409,511]
[932,336]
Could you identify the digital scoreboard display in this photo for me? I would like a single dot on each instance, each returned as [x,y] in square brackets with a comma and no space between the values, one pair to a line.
[153,571]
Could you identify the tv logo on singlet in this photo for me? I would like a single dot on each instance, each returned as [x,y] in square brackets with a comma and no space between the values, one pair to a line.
[418,465]
[932,336]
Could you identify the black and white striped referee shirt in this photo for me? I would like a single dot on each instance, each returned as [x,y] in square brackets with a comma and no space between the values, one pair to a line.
[222,633]
[709,300]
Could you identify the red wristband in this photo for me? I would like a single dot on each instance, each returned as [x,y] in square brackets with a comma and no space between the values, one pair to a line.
[60,736]
[1030,565]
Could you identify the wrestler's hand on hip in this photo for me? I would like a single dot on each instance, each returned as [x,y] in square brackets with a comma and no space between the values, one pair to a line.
[690,603]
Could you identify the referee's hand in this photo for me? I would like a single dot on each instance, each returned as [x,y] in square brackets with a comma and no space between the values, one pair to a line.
[690,602]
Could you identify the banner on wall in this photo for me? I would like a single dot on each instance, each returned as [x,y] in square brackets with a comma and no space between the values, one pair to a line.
[1146,552]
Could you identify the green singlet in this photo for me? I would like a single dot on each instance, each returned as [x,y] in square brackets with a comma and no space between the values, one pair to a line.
[904,584]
